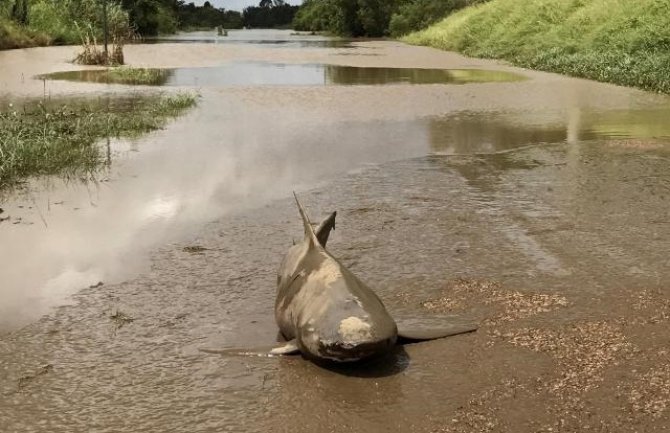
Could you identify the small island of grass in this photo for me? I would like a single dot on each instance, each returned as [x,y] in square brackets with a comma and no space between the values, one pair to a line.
[60,138]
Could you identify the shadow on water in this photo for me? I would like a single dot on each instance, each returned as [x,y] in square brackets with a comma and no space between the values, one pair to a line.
[259,73]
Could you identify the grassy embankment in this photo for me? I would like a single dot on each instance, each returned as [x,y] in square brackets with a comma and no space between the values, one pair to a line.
[49,138]
[618,41]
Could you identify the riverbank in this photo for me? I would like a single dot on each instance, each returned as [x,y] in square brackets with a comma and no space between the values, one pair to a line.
[614,41]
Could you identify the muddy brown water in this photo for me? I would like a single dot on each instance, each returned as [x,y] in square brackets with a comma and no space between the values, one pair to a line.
[539,207]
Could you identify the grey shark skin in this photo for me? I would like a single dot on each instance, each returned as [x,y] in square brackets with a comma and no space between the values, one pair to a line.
[327,313]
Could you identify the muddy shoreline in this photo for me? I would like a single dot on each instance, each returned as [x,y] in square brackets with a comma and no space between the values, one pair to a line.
[539,207]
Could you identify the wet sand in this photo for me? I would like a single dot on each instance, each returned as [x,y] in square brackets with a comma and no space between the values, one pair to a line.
[539,207]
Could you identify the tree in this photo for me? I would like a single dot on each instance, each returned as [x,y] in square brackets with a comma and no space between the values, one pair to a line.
[151,17]
[20,12]
[269,14]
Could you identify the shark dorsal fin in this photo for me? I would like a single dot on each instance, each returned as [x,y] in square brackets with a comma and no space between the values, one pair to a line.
[310,236]
[323,230]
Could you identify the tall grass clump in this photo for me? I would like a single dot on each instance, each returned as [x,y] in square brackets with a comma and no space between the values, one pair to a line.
[93,54]
[618,41]
[52,138]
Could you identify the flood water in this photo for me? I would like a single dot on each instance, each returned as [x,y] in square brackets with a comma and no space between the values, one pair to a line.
[299,75]
[548,186]
[256,37]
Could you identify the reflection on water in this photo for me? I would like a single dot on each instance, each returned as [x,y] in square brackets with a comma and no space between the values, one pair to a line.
[99,232]
[102,231]
[354,75]
[472,133]
[259,73]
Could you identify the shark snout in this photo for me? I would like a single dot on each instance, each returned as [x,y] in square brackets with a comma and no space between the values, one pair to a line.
[357,339]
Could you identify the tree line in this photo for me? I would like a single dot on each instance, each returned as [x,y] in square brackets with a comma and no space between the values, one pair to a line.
[64,21]
[373,18]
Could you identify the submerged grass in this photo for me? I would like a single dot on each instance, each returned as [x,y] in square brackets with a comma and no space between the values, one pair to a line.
[128,75]
[617,41]
[51,138]
[115,75]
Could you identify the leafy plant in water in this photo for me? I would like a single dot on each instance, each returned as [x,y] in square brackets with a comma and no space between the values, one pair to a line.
[119,31]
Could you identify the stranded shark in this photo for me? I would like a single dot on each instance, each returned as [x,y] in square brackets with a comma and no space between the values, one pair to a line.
[327,313]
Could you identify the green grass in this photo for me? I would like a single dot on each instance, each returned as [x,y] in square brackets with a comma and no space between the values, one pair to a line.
[58,139]
[128,75]
[117,75]
[618,41]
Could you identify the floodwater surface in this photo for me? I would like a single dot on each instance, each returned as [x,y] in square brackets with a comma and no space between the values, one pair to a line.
[256,37]
[538,207]
[256,73]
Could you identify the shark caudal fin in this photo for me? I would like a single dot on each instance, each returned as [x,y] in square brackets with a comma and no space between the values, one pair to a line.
[309,230]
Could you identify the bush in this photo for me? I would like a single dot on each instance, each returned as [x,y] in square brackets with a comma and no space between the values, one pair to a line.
[373,17]
[418,14]
[61,20]
[15,36]
[346,17]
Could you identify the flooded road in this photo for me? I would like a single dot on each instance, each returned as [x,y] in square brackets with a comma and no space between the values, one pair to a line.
[541,207]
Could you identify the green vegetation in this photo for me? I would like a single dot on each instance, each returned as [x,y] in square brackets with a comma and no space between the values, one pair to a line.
[13,35]
[419,14]
[269,14]
[618,41]
[48,138]
[28,23]
[141,76]
[152,17]
[192,17]
[46,22]
[118,75]
[373,17]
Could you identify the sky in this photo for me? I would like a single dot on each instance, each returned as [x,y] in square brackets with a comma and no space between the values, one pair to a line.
[237,5]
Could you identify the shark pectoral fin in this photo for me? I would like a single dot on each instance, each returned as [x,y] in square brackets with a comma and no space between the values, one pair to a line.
[290,348]
[411,330]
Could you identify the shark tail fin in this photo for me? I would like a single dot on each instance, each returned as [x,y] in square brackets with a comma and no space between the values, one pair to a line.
[309,230]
